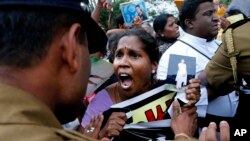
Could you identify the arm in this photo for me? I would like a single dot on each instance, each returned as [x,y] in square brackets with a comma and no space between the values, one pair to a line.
[97,11]
[110,25]
[218,76]
[211,92]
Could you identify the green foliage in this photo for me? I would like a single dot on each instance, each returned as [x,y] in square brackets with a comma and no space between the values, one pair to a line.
[116,11]
[152,13]
[104,18]
[227,2]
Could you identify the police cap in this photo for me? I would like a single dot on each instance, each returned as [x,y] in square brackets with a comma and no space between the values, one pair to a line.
[97,38]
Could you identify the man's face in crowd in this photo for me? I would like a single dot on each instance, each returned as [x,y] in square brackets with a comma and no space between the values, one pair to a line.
[205,22]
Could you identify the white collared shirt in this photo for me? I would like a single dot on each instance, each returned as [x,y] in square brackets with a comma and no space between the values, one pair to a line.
[179,48]
[207,50]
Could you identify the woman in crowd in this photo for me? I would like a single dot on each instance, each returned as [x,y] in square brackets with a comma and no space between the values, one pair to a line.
[167,31]
[135,64]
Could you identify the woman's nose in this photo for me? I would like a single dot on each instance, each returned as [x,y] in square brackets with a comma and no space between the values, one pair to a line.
[123,61]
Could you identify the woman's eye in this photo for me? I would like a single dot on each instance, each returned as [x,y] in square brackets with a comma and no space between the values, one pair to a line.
[118,55]
[134,55]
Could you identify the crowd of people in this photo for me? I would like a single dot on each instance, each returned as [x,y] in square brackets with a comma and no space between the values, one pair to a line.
[45,50]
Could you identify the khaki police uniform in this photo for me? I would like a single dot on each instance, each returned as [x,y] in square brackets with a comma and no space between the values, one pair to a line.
[25,118]
[219,71]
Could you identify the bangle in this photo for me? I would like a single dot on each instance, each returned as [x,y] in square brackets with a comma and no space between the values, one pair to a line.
[182,135]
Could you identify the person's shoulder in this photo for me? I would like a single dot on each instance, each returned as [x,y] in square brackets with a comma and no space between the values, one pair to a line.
[103,97]
[239,31]
[239,24]
[177,46]
[35,132]
[101,94]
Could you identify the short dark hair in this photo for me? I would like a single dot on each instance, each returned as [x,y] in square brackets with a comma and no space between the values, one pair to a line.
[25,35]
[150,45]
[189,10]
[119,20]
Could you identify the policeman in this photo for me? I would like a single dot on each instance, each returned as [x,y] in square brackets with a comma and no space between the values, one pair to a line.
[224,75]
[44,66]
[229,69]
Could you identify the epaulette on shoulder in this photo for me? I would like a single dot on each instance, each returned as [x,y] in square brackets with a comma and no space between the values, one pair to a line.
[237,24]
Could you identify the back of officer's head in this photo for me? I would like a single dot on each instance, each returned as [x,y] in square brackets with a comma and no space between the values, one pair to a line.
[26,33]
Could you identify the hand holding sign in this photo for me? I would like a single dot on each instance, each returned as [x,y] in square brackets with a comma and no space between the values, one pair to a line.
[184,123]
[114,125]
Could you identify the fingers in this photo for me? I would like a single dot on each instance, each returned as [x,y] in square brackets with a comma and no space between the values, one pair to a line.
[191,102]
[120,117]
[193,94]
[88,126]
[203,134]
[114,125]
[98,122]
[117,121]
[212,132]
[93,128]
[193,91]
[195,80]
[209,133]
[194,83]
[176,109]
[224,131]
[190,109]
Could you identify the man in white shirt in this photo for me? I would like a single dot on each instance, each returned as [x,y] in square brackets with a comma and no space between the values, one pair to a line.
[200,24]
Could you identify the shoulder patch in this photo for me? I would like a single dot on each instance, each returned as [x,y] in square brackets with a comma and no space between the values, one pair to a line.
[237,24]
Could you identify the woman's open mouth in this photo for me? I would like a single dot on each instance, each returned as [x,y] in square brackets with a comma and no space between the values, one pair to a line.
[126,80]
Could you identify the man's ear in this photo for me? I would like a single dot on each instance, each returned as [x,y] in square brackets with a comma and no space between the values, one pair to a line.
[189,23]
[70,47]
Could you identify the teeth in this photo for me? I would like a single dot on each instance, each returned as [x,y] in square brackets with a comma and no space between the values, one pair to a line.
[123,74]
